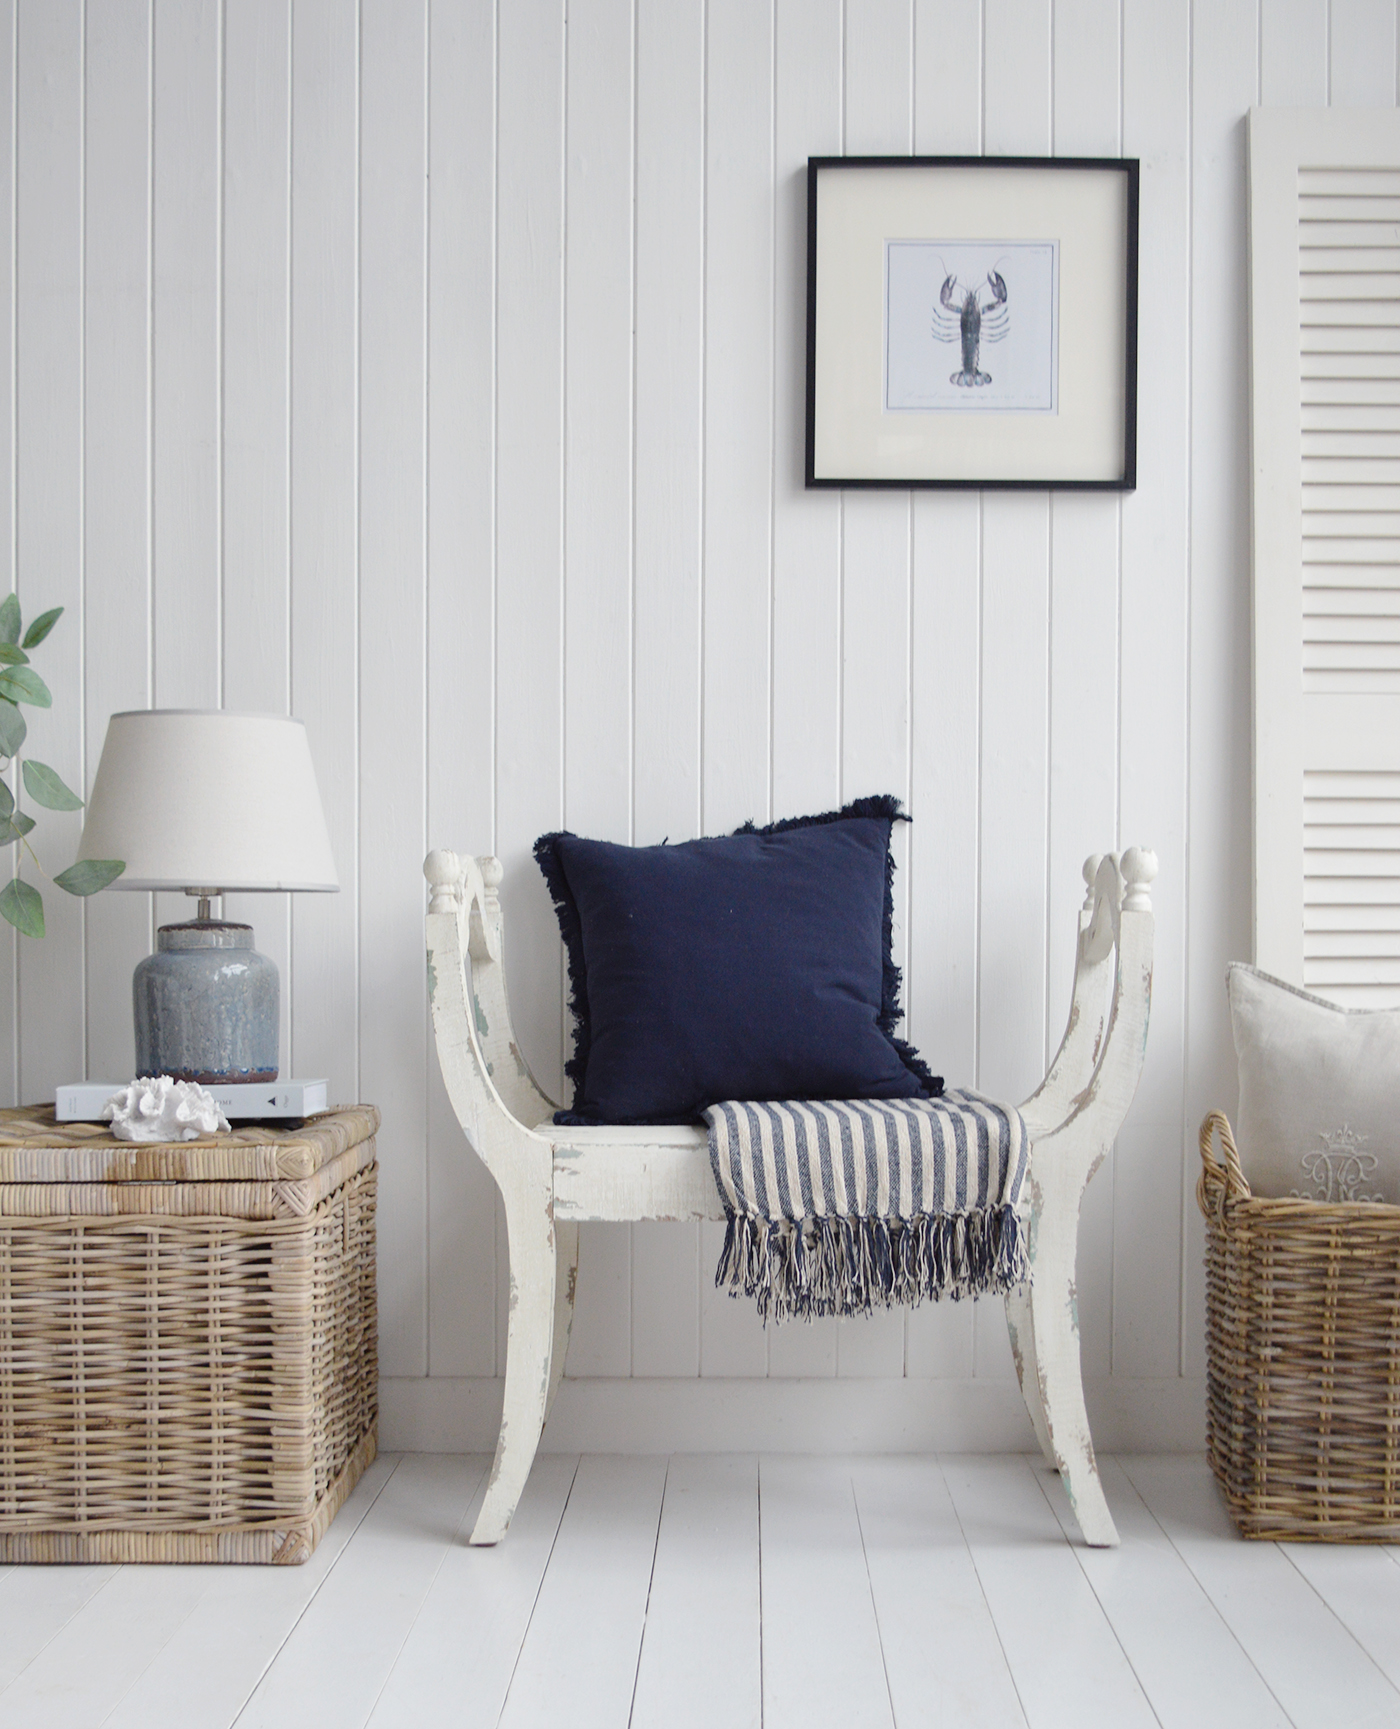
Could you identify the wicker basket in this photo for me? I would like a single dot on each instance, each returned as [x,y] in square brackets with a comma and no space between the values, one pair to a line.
[188,1365]
[1303,1357]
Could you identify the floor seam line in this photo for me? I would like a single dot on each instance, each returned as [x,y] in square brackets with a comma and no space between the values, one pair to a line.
[306,1606]
[1077,1550]
[982,1587]
[447,1549]
[1209,1597]
[1284,1550]
[65,1623]
[762,1696]
[651,1581]
[155,1655]
[874,1606]
[535,1600]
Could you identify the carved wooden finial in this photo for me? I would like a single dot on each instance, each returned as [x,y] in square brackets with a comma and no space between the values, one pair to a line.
[491,872]
[1091,872]
[443,870]
[1139,868]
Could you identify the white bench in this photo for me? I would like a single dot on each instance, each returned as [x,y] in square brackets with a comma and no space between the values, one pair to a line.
[553,1178]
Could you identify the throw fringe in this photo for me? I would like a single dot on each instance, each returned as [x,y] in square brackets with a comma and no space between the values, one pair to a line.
[851,1266]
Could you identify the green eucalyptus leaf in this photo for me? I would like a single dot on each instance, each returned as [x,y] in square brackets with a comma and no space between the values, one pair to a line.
[9,621]
[89,875]
[23,684]
[42,626]
[7,802]
[14,827]
[45,788]
[12,656]
[13,727]
[23,907]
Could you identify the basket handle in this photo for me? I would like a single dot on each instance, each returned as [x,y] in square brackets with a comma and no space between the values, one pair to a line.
[1221,1178]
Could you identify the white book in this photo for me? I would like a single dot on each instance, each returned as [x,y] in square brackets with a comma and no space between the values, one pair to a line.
[82,1102]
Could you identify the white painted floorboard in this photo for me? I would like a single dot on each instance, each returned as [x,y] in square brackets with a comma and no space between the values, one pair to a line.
[1159,1612]
[701,1664]
[333,1667]
[1064,1656]
[1362,1589]
[578,1664]
[731,1592]
[153,1645]
[203,1678]
[821,1642]
[1319,1673]
[457,1663]
[36,1603]
[928,1597]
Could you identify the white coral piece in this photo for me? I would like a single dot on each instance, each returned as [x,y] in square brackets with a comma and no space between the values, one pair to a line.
[162,1109]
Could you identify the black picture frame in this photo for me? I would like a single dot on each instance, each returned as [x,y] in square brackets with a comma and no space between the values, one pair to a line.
[1060,410]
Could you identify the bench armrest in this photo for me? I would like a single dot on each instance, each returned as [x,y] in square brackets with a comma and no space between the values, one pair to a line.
[1095,1072]
[495,1096]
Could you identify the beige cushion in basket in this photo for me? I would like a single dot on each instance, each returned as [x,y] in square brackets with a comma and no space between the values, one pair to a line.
[1319,1108]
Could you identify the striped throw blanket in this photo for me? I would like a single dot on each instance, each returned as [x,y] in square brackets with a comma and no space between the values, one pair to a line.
[837,1207]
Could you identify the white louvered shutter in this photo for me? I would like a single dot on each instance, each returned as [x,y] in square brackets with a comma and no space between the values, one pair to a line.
[1324,252]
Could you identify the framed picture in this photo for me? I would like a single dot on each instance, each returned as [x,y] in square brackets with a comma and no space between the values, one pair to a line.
[972,321]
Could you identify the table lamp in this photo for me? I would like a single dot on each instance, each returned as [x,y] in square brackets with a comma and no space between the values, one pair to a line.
[208,802]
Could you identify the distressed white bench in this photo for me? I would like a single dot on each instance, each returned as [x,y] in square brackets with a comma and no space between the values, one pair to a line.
[553,1178]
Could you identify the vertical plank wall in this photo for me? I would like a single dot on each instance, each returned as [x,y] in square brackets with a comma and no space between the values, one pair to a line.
[432,370]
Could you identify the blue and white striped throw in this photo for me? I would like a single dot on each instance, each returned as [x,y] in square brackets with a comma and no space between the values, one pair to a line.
[836,1207]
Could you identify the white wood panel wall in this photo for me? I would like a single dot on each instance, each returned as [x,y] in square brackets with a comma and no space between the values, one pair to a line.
[432,369]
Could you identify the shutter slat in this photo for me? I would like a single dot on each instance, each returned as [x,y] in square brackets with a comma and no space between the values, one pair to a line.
[1331,580]
[1338,259]
[1327,516]
[1333,893]
[1325,681]
[1366,179]
[1345,285]
[1351,417]
[1324,210]
[1335,392]
[1368,446]
[1351,230]
[1328,471]
[1339,496]
[1366,557]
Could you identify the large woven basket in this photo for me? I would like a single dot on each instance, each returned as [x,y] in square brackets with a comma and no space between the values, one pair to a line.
[188,1365]
[1303,1357]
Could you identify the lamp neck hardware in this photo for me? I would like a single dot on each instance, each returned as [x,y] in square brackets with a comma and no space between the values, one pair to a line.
[204,897]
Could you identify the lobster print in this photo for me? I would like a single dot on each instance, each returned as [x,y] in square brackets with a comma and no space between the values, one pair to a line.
[971,320]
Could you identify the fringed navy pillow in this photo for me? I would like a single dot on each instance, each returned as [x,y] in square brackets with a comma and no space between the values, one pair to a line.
[755,965]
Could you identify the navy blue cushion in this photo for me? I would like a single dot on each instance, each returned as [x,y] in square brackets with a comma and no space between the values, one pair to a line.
[749,966]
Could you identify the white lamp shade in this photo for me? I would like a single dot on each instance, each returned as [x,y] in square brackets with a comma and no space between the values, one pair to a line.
[200,798]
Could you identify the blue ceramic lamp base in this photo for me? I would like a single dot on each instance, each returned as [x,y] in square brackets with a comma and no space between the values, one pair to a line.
[206,1006]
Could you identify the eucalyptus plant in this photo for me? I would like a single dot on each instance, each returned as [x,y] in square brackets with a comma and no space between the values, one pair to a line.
[20,902]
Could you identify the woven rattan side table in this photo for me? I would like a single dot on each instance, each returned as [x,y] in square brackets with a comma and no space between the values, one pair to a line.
[188,1356]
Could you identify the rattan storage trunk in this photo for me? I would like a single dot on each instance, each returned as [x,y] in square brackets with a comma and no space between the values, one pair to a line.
[1302,1357]
[188,1360]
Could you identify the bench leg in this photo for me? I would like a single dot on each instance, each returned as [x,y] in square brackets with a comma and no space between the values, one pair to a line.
[1055,1332]
[565,1279]
[529,1350]
[1021,1330]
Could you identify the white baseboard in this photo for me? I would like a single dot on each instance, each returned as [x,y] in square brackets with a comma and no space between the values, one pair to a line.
[444,1415]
